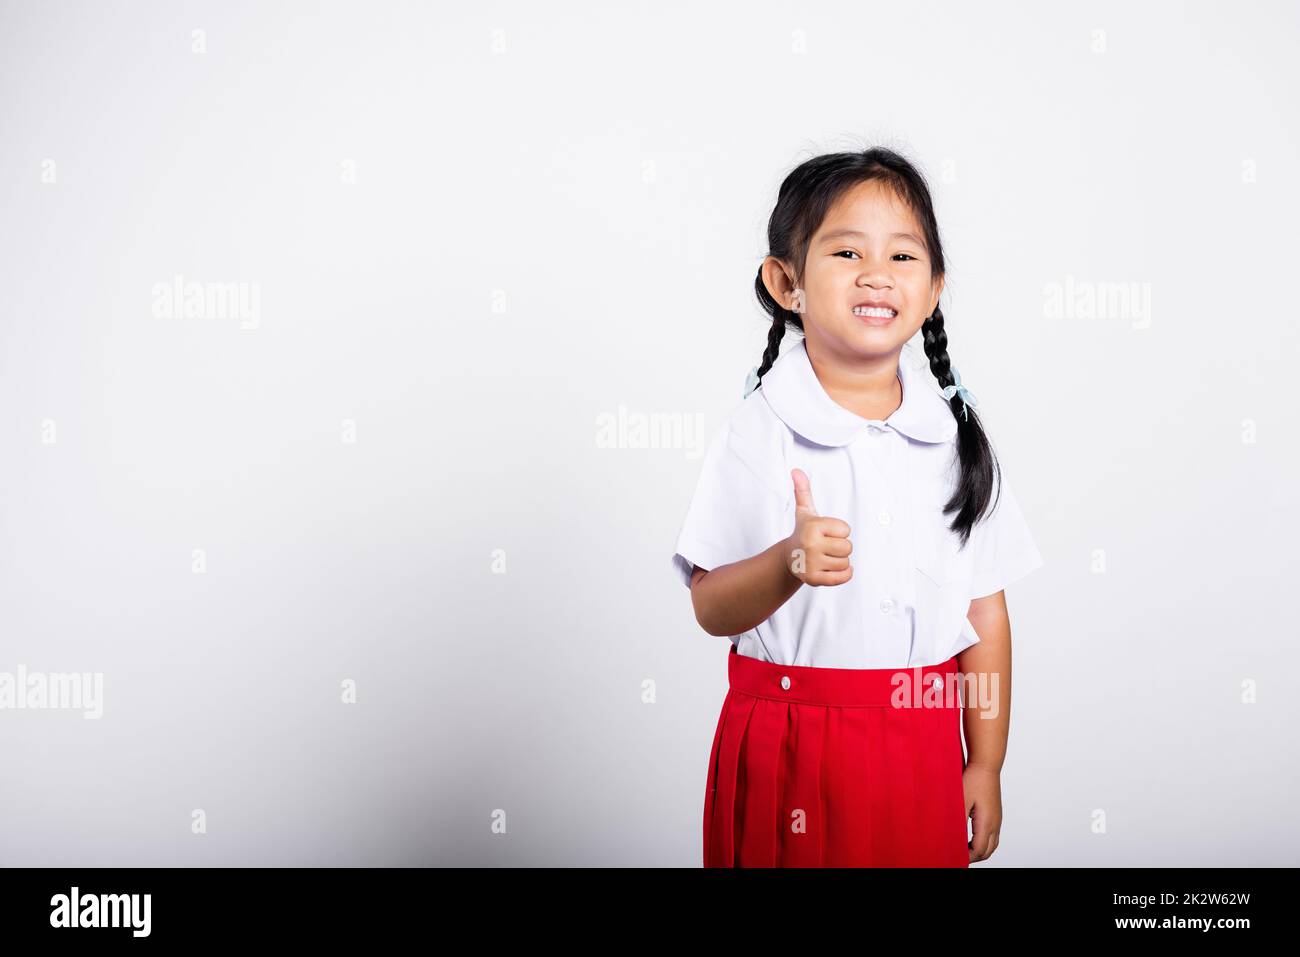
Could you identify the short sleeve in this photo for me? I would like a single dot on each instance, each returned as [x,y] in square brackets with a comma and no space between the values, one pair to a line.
[1004,548]
[733,514]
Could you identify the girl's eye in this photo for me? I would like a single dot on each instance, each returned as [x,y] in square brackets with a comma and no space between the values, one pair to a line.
[842,251]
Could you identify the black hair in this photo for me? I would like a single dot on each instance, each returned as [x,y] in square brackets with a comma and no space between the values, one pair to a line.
[805,197]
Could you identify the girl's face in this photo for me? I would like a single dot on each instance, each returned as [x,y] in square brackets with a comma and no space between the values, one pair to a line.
[870,248]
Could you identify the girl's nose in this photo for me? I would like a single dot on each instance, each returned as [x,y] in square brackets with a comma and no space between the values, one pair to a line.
[875,278]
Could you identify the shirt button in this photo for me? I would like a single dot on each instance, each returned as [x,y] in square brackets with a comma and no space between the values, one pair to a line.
[785,682]
[887,606]
[885,518]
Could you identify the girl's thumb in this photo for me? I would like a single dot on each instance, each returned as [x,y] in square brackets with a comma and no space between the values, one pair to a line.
[802,491]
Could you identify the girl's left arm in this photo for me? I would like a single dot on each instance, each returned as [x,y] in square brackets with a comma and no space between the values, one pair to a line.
[986,719]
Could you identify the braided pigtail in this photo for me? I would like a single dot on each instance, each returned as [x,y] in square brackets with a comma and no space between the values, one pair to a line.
[782,318]
[977,461]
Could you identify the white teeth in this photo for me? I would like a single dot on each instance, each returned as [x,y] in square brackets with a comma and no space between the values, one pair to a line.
[874,311]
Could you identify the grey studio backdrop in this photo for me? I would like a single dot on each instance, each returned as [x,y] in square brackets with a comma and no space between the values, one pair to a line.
[369,541]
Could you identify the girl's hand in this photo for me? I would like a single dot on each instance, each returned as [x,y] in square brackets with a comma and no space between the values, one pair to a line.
[819,548]
[983,789]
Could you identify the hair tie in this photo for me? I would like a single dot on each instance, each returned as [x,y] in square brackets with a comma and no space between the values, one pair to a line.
[958,389]
[751,382]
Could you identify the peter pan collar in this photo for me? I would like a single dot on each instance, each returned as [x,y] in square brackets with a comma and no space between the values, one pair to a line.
[795,394]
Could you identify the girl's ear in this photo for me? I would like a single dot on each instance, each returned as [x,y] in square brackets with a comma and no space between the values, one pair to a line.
[778,280]
[937,286]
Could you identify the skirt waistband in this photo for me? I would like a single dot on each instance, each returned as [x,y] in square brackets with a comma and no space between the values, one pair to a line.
[844,687]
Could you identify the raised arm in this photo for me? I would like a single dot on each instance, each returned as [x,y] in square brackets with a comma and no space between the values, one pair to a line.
[732,599]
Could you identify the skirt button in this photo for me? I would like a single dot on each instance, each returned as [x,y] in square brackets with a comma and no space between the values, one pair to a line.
[785,682]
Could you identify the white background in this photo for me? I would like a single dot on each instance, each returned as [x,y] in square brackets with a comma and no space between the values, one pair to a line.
[558,211]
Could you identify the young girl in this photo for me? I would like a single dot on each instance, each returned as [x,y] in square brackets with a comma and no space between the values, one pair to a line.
[852,533]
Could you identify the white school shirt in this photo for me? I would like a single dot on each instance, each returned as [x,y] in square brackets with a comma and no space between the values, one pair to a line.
[912,585]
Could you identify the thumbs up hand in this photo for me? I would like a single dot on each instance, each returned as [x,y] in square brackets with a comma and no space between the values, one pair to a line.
[819,547]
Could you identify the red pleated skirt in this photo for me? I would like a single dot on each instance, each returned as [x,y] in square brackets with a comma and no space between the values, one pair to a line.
[836,767]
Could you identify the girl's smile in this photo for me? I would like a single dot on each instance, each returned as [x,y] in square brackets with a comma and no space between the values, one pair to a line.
[875,312]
